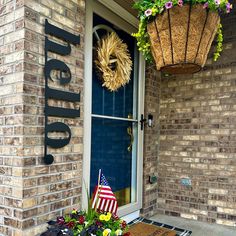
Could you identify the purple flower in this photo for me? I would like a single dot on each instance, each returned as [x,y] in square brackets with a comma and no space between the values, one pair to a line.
[148,12]
[168,5]
[60,220]
[228,7]
[205,5]
[180,3]
[217,2]
[98,223]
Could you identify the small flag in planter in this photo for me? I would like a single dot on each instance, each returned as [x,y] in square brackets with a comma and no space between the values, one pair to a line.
[104,199]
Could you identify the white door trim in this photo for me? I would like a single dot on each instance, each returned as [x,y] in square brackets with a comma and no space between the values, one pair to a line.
[132,216]
[115,7]
[91,7]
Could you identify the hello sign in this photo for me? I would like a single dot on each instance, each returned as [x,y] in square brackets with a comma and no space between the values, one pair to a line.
[64,78]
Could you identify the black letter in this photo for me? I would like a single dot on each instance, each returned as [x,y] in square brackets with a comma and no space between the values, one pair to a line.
[60,33]
[57,127]
[55,64]
[61,95]
[57,48]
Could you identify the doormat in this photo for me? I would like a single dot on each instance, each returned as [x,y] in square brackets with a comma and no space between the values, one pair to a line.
[145,227]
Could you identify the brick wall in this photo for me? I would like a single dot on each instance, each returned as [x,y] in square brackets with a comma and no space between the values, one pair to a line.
[11,112]
[32,191]
[151,141]
[198,137]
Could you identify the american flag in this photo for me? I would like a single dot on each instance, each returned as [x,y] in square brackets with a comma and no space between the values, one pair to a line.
[104,199]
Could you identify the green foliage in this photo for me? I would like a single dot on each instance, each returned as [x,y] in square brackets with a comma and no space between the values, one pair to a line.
[143,40]
[148,9]
[219,46]
[90,223]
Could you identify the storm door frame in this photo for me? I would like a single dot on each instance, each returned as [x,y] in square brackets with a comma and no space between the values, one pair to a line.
[118,16]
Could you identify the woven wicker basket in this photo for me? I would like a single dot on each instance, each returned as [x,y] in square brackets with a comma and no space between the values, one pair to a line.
[181,38]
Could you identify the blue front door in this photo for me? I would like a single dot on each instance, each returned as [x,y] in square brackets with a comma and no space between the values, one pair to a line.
[114,127]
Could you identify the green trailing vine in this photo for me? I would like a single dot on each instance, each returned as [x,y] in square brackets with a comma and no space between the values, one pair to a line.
[219,46]
[143,40]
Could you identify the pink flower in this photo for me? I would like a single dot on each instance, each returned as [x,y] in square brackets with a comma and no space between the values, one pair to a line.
[180,3]
[205,5]
[217,2]
[228,7]
[168,5]
[148,12]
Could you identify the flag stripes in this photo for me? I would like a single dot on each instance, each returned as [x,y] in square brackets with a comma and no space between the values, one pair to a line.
[104,199]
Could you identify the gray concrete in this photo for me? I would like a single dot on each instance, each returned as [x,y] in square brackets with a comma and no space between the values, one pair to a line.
[198,228]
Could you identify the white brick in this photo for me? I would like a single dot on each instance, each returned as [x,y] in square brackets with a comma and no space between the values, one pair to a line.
[191,137]
[218,191]
[225,222]
[13,57]
[14,36]
[226,210]
[38,8]
[188,216]
[198,212]
[6,91]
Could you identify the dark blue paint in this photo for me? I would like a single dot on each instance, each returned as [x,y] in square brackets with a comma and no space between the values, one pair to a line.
[109,137]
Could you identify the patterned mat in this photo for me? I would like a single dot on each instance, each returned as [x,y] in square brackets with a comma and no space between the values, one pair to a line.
[179,231]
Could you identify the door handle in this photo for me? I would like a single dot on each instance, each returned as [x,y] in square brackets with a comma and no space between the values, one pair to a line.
[130,133]
[142,121]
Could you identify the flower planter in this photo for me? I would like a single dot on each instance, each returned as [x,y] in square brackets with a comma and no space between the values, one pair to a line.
[181,38]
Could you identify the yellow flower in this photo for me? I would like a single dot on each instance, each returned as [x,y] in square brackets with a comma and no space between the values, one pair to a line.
[102,217]
[106,232]
[118,232]
[107,217]
[74,211]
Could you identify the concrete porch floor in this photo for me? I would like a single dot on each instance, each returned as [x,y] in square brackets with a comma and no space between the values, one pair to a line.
[197,228]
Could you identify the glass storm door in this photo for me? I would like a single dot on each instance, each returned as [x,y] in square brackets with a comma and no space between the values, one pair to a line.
[114,125]
[115,141]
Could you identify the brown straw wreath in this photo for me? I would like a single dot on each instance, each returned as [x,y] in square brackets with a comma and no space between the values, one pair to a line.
[113,61]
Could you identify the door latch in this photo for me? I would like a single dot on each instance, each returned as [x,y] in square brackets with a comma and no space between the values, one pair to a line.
[142,121]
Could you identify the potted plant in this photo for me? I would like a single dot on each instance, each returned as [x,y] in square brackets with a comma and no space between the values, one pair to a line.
[95,221]
[178,34]
[90,223]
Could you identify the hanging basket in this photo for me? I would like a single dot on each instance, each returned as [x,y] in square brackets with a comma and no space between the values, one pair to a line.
[181,38]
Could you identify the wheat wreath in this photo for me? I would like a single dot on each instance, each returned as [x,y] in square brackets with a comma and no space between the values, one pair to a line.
[113,61]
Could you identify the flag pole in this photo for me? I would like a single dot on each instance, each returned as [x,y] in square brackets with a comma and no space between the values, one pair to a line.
[99,177]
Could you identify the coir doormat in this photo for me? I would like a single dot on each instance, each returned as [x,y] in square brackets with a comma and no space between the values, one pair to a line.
[145,227]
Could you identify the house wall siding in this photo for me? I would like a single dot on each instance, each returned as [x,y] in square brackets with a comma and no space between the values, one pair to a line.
[198,137]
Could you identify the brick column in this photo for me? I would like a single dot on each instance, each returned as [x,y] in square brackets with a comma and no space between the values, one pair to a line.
[11,113]
[151,141]
[33,192]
